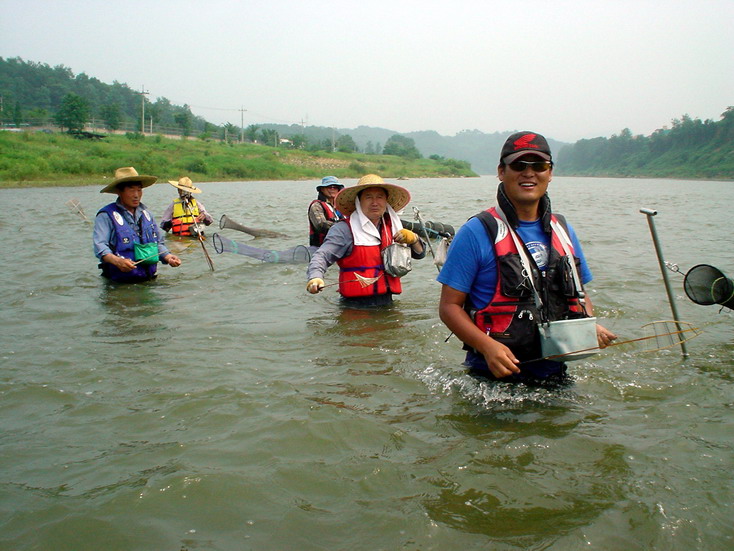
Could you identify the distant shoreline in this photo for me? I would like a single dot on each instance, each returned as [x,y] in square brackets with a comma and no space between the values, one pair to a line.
[37,159]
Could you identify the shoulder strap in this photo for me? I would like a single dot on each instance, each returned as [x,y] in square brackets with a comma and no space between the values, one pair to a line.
[490,224]
[562,220]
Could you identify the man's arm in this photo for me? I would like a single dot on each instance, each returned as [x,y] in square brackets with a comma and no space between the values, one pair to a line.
[317,217]
[338,244]
[500,359]
[167,217]
[102,235]
[603,335]
[204,216]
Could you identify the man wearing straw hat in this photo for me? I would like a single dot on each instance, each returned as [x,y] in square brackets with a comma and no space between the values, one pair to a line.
[509,269]
[321,212]
[126,238]
[357,242]
[180,215]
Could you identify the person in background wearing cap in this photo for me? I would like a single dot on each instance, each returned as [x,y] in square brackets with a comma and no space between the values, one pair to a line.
[486,297]
[321,212]
[179,216]
[356,243]
[126,226]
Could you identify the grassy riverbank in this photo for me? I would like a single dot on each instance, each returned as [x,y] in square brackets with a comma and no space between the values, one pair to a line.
[30,159]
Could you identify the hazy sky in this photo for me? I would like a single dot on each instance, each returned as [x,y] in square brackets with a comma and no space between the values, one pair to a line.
[568,69]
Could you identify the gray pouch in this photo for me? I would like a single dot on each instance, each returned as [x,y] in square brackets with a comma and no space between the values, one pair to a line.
[397,260]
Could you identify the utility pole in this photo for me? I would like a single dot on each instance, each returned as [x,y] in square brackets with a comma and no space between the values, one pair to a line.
[242,123]
[143,93]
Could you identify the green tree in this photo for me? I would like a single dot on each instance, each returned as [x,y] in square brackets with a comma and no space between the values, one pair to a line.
[251,133]
[269,137]
[184,119]
[346,144]
[401,146]
[299,141]
[111,115]
[17,114]
[73,113]
[230,132]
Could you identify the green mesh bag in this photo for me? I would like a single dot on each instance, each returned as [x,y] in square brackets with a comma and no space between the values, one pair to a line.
[146,253]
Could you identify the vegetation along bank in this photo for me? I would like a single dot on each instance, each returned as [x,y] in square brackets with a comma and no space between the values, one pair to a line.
[31,159]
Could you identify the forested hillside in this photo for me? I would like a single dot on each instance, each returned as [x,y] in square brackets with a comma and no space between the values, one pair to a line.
[691,148]
[35,94]
[32,94]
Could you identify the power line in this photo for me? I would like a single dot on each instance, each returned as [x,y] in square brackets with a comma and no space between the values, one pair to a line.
[260,115]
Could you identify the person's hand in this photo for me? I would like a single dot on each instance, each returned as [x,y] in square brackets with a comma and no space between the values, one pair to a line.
[405,236]
[172,260]
[604,336]
[314,285]
[500,359]
[123,264]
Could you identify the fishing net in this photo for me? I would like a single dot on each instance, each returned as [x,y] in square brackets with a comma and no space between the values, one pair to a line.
[664,334]
[77,209]
[434,229]
[295,255]
[707,285]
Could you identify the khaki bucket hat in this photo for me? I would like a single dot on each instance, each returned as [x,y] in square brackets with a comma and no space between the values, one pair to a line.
[185,184]
[397,197]
[128,174]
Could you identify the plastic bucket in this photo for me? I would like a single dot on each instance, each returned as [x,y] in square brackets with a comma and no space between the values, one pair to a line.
[569,340]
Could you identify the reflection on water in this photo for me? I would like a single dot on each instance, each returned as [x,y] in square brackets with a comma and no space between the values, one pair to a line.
[233,410]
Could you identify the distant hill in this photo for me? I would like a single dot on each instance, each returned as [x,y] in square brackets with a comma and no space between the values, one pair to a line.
[479,149]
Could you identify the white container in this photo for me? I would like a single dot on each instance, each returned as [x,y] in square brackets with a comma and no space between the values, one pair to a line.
[569,340]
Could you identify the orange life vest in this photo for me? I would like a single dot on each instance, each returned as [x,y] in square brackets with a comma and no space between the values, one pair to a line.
[182,218]
[366,261]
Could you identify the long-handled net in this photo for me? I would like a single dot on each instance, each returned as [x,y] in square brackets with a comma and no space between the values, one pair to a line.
[299,254]
[199,233]
[225,222]
[434,229]
[707,285]
[76,208]
[662,334]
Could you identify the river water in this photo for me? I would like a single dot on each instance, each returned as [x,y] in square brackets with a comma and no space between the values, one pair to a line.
[232,410]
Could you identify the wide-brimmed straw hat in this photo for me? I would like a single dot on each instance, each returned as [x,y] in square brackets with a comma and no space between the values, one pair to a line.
[397,197]
[128,174]
[185,184]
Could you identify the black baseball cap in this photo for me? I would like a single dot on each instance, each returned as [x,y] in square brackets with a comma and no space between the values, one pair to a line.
[524,143]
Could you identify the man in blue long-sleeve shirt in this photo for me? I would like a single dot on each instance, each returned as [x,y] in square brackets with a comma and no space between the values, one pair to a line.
[126,238]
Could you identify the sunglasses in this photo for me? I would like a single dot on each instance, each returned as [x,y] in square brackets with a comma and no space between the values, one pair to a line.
[536,166]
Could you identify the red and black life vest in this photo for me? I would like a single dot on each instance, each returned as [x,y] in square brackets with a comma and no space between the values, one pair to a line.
[316,238]
[366,261]
[511,317]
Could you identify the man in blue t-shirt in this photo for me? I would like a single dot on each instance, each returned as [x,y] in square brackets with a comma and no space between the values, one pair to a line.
[499,325]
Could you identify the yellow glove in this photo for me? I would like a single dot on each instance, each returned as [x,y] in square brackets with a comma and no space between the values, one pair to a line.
[314,285]
[405,236]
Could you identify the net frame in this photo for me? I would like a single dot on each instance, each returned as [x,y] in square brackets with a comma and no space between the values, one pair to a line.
[300,254]
[706,285]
